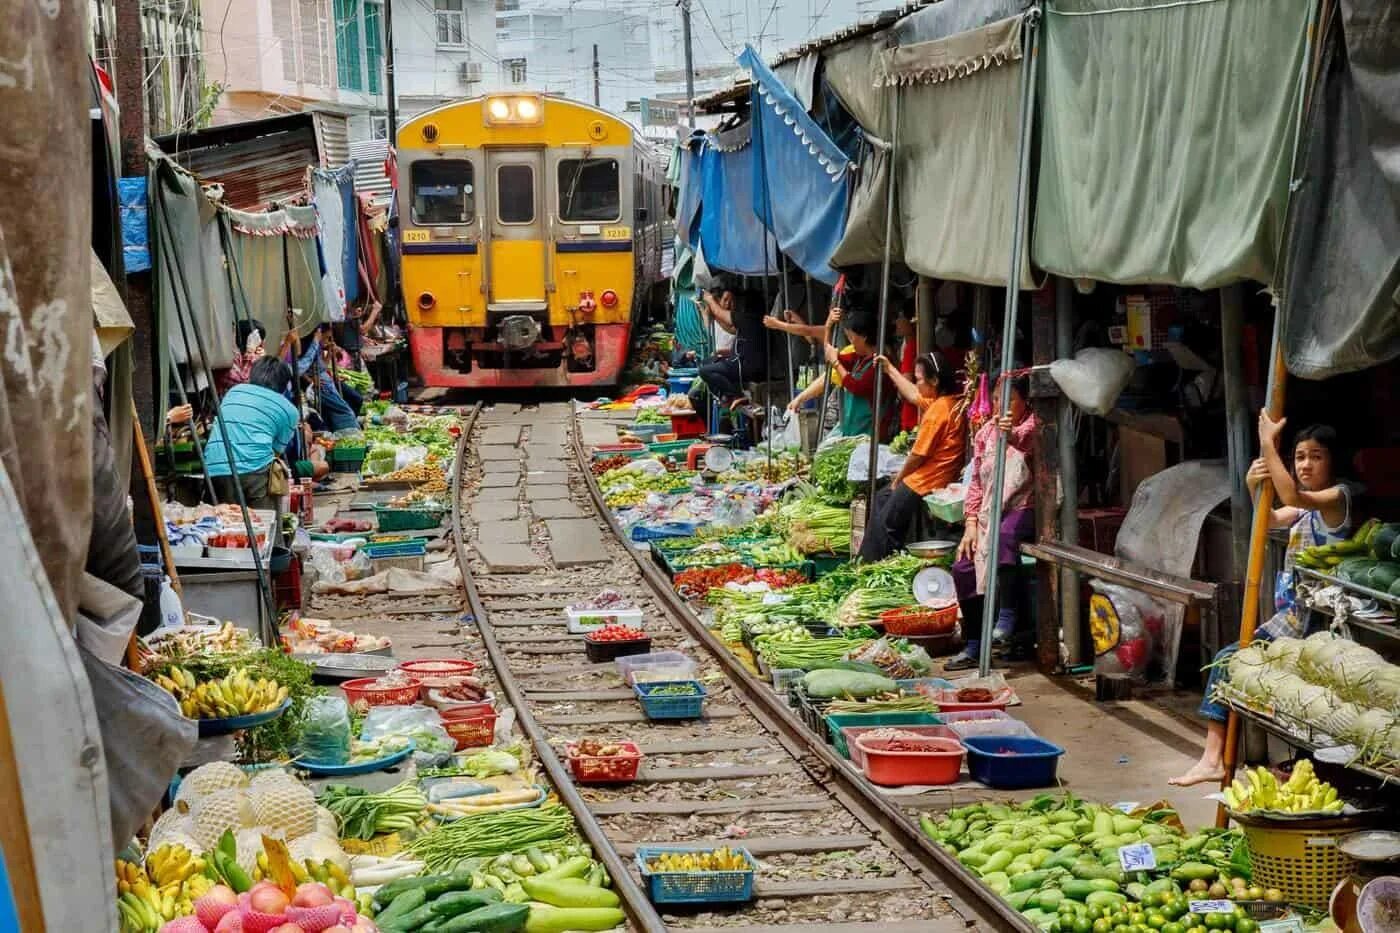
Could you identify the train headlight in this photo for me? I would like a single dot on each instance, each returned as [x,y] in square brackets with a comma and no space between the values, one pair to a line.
[517,109]
[608,298]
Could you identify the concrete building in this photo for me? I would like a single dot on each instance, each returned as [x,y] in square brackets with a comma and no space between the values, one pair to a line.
[444,50]
[176,87]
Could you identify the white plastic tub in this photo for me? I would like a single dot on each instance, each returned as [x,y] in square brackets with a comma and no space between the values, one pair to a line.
[659,665]
[587,620]
[983,722]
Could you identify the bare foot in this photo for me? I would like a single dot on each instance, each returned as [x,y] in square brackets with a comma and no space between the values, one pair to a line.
[1200,773]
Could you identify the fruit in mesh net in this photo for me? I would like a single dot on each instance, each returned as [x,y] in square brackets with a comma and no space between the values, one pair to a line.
[288,806]
[270,778]
[219,811]
[326,824]
[250,843]
[170,823]
[318,847]
[209,778]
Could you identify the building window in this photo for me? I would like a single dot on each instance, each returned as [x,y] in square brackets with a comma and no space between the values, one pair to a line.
[588,191]
[442,192]
[515,194]
[374,46]
[514,69]
[451,22]
[349,58]
[378,126]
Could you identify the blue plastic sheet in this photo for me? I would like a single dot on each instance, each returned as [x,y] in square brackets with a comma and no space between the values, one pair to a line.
[688,204]
[135,221]
[801,177]
[731,236]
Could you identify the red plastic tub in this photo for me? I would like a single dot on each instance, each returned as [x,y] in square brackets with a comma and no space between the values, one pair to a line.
[436,673]
[606,769]
[852,733]
[472,725]
[897,762]
[686,426]
[361,695]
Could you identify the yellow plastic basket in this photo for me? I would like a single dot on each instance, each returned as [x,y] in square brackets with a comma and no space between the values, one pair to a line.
[1305,864]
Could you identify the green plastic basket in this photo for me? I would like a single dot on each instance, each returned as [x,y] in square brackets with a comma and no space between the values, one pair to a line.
[391,519]
[823,564]
[834,722]
[671,448]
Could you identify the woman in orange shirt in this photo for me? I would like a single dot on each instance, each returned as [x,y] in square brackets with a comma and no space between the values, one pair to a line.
[935,461]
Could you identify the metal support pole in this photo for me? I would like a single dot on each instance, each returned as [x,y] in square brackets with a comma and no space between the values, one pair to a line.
[391,108]
[1237,433]
[1008,338]
[1071,625]
[883,324]
[689,64]
[597,79]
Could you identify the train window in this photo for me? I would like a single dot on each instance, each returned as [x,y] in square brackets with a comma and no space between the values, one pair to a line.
[589,191]
[443,192]
[515,194]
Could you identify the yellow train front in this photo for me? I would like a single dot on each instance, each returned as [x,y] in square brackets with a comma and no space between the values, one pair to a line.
[530,237]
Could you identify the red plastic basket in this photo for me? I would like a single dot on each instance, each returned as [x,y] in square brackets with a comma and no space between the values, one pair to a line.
[858,754]
[362,695]
[472,725]
[920,620]
[940,761]
[435,673]
[687,426]
[606,769]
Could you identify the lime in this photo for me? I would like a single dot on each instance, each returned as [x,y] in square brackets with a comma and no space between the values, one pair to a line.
[1171,926]
[1156,920]
[1081,925]
[1246,925]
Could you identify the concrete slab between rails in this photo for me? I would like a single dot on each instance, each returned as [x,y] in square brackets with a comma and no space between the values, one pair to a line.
[501,482]
[540,492]
[548,434]
[575,541]
[556,508]
[509,557]
[597,433]
[492,509]
[505,434]
[503,532]
[546,465]
[490,453]
[688,807]
[546,478]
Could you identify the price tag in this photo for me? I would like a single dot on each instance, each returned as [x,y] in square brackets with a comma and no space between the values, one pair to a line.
[1127,806]
[1137,857]
[1212,907]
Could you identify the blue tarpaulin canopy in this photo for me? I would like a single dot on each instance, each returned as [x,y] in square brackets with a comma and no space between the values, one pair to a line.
[801,178]
[731,236]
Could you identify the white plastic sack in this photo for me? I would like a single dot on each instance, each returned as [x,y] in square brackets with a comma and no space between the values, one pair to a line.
[886,463]
[408,456]
[1094,378]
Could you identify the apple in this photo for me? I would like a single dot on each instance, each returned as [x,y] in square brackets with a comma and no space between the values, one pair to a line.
[231,922]
[287,928]
[267,898]
[312,894]
[222,894]
[338,928]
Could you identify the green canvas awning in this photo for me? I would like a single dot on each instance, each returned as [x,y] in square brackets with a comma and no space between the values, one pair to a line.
[1167,133]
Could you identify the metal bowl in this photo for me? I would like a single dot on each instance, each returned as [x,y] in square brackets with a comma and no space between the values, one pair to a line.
[929,550]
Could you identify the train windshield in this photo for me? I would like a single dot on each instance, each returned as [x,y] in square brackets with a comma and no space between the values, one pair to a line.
[589,191]
[443,193]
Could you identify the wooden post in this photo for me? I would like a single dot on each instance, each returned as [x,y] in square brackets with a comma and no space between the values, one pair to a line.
[1258,543]
[14,833]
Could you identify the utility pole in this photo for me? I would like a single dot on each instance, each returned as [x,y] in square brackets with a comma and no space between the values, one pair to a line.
[130,64]
[689,64]
[391,109]
[597,82]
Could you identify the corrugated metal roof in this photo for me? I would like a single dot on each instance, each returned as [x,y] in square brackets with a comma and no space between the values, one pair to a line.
[257,162]
[333,135]
[369,156]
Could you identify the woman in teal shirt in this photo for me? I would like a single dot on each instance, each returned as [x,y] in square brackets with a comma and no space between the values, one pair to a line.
[856,371]
[260,423]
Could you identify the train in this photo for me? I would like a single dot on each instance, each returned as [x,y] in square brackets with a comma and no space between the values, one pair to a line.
[531,233]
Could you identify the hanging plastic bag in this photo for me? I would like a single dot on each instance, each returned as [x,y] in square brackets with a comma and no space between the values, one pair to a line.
[325,730]
[981,408]
[1123,639]
[1094,378]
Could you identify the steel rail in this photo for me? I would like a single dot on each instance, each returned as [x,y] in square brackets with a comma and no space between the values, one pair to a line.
[637,906]
[977,904]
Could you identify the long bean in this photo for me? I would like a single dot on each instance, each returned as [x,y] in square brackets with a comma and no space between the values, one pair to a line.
[490,834]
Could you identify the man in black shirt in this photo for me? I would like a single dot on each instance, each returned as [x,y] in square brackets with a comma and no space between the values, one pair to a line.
[727,371]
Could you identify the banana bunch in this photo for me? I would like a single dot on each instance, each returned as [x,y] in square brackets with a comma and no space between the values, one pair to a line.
[326,872]
[144,905]
[234,694]
[721,859]
[172,863]
[1301,793]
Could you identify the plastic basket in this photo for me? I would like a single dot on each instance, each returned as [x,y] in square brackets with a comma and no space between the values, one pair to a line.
[671,448]
[600,651]
[631,451]
[920,620]
[639,667]
[347,458]
[985,722]
[835,722]
[939,761]
[643,432]
[667,706]
[582,621]
[695,887]
[823,564]
[606,769]
[1305,864]
[415,547]
[1010,762]
[436,673]
[361,695]
[851,733]
[688,426]
[810,710]
[646,531]
[785,677]
[391,519]
[472,725]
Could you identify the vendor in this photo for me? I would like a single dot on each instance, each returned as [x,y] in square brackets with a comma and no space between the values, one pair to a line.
[935,460]
[726,373]
[339,402]
[854,369]
[260,423]
[1316,510]
[1017,522]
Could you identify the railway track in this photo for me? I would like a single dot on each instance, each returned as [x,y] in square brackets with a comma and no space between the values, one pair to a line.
[531,535]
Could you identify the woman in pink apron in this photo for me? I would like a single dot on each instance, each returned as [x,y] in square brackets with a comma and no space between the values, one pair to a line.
[1017,523]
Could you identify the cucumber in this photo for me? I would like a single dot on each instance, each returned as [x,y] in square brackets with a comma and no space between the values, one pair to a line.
[456,902]
[386,893]
[497,918]
[401,906]
[457,881]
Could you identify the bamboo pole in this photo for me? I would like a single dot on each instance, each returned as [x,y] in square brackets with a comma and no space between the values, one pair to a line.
[149,475]
[1258,542]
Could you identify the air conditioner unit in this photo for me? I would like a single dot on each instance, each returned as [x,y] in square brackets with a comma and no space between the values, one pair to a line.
[469,72]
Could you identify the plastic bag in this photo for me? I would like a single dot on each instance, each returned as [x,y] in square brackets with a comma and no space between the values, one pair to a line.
[1120,622]
[325,730]
[645,465]
[887,463]
[408,456]
[1094,378]
[981,408]
[887,658]
[432,745]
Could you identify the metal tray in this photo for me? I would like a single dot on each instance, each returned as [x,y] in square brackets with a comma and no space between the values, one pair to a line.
[348,666]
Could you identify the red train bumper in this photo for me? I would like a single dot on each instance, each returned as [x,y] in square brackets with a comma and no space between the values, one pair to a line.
[609,352]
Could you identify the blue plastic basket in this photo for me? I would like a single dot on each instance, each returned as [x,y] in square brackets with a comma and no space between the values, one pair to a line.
[668,706]
[695,887]
[655,531]
[1010,762]
[416,547]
